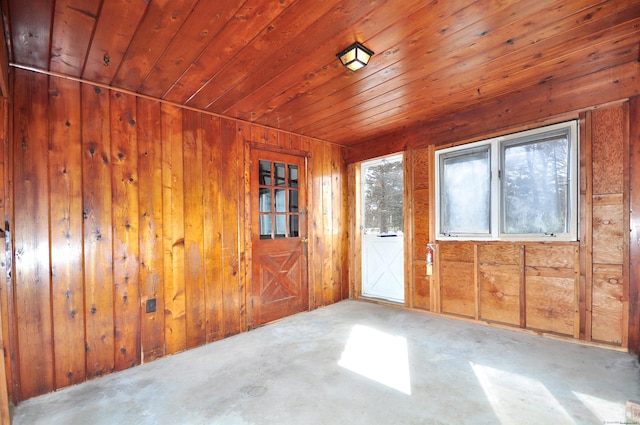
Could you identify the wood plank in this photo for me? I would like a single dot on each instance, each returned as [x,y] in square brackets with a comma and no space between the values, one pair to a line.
[457,287]
[98,231]
[213,225]
[126,273]
[200,28]
[289,27]
[552,255]
[31,226]
[500,293]
[421,223]
[316,227]
[105,54]
[634,237]
[194,230]
[355,224]
[586,225]
[159,25]
[421,286]
[151,225]
[243,27]
[65,177]
[73,24]
[231,170]
[30,40]
[626,258]
[500,254]
[5,415]
[607,304]
[173,229]
[457,251]
[337,217]
[4,67]
[550,304]
[608,229]
[327,226]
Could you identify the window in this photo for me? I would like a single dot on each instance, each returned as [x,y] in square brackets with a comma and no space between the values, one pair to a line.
[278,200]
[522,186]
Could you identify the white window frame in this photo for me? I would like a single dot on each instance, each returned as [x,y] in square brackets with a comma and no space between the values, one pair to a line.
[496,149]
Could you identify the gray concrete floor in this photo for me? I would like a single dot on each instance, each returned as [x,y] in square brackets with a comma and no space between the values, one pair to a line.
[359,363]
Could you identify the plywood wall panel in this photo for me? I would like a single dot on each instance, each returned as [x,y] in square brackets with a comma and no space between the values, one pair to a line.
[551,255]
[608,239]
[500,293]
[457,251]
[65,176]
[607,303]
[422,286]
[550,303]
[124,161]
[499,254]
[150,211]
[98,233]
[607,142]
[457,288]
[31,227]
[421,223]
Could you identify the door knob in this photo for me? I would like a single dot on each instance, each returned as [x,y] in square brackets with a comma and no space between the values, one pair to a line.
[304,240]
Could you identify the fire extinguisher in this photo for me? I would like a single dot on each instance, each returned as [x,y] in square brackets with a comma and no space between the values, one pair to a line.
[430,248]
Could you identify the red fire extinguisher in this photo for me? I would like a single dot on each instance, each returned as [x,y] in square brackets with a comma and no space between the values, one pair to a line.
[430,248]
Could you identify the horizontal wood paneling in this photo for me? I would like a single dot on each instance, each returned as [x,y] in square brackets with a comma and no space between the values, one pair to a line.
[134,201]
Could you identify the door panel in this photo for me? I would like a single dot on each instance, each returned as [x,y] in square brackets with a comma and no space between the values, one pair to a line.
[278,285]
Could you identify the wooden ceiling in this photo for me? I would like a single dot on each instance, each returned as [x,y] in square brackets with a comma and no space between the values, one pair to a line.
[273,61]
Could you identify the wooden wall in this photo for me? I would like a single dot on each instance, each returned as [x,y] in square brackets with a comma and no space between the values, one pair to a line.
[578,289]
[118,199]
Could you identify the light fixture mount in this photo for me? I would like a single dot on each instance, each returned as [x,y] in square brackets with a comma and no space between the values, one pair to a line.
[355,56]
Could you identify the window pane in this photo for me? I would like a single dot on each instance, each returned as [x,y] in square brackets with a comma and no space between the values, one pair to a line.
[293,176]
[383,192]
[279,174]
[293,201]
[465,193]
[294,227]
[265,173]
[281,205]
[281,226]
[265,227]
[536,186]
[265,200]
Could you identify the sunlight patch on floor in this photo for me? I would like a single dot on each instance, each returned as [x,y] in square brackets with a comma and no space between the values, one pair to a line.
[379,356]
[604,410]
[514,398]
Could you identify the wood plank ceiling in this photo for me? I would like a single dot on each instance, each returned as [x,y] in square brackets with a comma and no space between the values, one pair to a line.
[273,61]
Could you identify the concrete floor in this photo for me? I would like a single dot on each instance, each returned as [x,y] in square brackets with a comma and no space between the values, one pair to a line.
[359,363]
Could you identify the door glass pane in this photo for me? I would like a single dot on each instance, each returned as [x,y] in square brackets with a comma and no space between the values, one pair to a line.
[265,173]
[465,194]
[383,191]
[293,201]
[293,176]
[536,187]
[265,200]
[294,226]
[281,205]
[279,174]
[265,227]
[281,226]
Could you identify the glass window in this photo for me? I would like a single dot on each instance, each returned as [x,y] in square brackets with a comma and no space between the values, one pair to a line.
[522,186]
[465,195]
[278,200]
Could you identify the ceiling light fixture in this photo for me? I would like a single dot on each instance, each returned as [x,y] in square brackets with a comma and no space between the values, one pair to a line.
[355,56]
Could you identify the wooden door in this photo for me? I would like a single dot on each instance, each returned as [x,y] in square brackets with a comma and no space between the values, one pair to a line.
[278,286]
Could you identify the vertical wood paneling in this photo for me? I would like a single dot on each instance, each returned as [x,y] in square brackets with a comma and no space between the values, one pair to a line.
[150,211]
[634,237]
[316,226]
[230,170]
[32,268]
[123,200]
[173,229]
[126,275]
[213,222]
[193,232]
[98,250]
[65,177]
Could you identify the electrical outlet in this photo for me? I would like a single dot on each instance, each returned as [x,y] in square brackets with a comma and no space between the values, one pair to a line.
[151,305]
